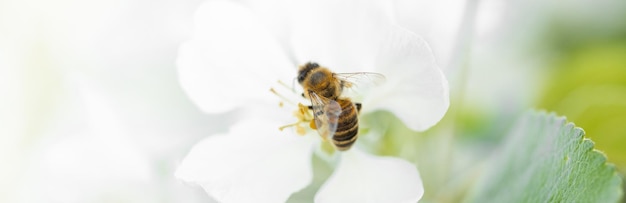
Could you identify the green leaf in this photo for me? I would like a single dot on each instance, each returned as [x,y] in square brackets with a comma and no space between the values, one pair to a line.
[546,159]
[589,87]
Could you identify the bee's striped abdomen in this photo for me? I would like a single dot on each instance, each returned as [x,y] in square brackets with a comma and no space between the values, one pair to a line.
[347,126]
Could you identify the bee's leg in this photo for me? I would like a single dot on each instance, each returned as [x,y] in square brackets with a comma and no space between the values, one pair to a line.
[358,107]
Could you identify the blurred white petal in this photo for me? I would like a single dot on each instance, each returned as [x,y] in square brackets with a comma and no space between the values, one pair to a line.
[416,91]
[439,22]
[275,16]
[231,58]
[96,163]
[361,177]
[254,162]
[12,120]
[342,35]
[82,168]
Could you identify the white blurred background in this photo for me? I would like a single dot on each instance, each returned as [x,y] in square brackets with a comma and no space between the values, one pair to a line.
[90,106]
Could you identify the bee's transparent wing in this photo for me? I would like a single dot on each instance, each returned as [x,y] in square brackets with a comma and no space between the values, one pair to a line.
[359,80]
[326,115]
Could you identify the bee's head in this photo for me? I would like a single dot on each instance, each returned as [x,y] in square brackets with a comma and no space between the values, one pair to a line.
[305,69]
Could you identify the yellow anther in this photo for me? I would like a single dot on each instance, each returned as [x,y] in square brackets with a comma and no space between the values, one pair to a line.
[300,130]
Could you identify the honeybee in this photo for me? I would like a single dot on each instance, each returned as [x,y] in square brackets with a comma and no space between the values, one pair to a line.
[335,117]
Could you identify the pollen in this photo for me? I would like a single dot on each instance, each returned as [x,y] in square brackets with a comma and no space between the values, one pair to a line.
[300,130]
[312,125]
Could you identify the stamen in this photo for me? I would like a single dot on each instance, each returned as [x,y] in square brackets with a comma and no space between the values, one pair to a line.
[286,86]
[281,128]
[299,129]
[282,97]
[302,113]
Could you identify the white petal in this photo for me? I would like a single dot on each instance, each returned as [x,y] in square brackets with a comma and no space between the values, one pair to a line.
[361,177]
[416,91]
[231,59]
[275,15]
[437,21]
[341,35]
[253,163]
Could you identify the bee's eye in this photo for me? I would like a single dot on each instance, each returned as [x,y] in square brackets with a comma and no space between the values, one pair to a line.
[304,71]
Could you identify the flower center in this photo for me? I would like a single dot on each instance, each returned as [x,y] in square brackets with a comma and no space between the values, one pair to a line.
[302,113]
[305,119]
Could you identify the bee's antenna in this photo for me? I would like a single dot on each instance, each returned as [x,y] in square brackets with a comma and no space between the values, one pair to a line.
[292,58]
[294,62]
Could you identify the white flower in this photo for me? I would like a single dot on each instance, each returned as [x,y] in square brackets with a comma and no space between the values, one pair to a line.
[236,55]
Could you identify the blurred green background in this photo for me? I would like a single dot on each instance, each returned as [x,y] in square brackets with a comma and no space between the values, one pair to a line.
[587,83]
